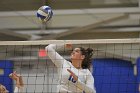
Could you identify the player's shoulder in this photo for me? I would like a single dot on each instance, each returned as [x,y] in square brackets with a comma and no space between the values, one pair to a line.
[87,71]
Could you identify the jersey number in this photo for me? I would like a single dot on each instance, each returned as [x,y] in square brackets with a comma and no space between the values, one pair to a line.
[71,79]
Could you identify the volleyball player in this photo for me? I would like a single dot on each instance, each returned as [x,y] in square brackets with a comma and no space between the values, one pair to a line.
[19,83]
[74,76]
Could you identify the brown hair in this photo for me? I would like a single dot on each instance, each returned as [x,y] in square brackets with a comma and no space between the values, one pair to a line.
[3,89]
[88,56]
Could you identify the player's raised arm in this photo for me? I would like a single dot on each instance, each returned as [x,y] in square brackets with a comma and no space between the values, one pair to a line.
[56,58]
[18,80]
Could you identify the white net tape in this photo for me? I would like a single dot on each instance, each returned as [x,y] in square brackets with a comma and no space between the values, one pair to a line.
[92,41]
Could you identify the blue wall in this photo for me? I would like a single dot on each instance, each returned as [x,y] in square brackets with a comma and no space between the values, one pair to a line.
[7,66]
[138,70]
[114,76]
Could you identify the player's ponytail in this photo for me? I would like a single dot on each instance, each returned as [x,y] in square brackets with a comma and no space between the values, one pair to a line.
[88,56]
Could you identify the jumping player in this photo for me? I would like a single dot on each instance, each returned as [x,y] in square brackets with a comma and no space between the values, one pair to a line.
[74,76]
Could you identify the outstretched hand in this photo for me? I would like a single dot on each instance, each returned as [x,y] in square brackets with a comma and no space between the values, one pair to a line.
[14,76]
[69,46]
[17,78]
[75,77]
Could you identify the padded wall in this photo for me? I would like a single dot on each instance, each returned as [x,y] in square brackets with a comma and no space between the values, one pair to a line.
[6,68]
[114,76]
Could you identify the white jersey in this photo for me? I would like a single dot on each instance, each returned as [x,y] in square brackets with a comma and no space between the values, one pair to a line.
[85,82]
[17,90]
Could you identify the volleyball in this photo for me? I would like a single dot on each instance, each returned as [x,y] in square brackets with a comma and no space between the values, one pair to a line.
[44,13]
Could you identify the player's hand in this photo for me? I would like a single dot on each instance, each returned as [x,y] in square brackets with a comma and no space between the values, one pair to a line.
[14,76]
[17,78]
[69,46]
[75,77]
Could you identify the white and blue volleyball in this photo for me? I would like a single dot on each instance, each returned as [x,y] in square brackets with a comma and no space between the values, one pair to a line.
[44,13]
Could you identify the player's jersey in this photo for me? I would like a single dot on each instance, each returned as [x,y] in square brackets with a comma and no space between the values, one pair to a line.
[85,82]
[17,90]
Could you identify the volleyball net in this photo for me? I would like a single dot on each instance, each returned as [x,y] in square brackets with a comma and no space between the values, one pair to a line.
[113,66]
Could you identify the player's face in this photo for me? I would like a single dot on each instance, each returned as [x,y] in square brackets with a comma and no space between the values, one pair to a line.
[76,54]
